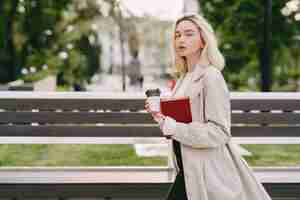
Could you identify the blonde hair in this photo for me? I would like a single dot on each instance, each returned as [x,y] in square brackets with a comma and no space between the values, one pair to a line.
[210,50]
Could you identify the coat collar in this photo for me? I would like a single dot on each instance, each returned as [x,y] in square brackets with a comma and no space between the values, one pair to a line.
[197,74]
[178,83]
[200,68]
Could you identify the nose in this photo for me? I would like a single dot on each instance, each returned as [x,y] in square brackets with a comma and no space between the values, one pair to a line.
[181,40]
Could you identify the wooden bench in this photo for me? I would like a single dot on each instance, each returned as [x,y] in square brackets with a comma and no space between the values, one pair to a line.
[35,117]
[120,182]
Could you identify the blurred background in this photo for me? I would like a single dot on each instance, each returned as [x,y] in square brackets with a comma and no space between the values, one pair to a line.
[124,45]
[91,45]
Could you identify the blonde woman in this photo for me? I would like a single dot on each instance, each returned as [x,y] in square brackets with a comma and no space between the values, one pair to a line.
[207,163]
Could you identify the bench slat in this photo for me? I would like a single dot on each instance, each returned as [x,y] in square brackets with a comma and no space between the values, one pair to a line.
[134,104]
[159,174]
[96,182]
[67,175]
[135,140]
[76,117]
[131,131]
[80,131]
[134,117]
[72,104]
[147,191]
[154,191]
[265,104]
[265,118]
[266,131]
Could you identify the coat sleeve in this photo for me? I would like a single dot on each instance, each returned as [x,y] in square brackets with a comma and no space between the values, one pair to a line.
[215,131]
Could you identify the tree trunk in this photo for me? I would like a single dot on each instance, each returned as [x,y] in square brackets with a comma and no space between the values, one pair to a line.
[8,57]
[265,59]
[122,57]
[2,34]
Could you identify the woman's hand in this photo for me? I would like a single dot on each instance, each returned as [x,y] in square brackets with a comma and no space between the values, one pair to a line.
[160,119]
[157,116]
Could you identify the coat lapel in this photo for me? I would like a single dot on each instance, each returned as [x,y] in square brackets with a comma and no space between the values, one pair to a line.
[199,72]
[197,75]
[178,83]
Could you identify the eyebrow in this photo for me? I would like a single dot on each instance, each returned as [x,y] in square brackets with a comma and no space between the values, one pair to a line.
[187,30]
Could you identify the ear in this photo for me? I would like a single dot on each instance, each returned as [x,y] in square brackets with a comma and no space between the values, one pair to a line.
[202,43]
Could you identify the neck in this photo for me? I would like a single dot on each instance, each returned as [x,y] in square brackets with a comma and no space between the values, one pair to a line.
[195,59]
[191,61]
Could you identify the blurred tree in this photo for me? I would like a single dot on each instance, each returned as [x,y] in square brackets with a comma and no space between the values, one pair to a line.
[49,35]
[23,27]
[287,72]
[78,34]
[118,17]
[239,25]
[292,9]
[133,40]
[127,33]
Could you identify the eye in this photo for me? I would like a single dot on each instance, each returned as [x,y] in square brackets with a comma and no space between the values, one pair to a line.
[189,33]
[177,35]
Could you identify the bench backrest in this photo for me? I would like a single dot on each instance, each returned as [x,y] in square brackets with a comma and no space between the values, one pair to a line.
[85,114]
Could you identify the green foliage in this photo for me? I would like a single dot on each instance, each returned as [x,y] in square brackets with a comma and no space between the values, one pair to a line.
[273,155]
[78,155]
[36,76]
[287,72]
[38,31]
[239,26]
[124,155]
[63,88]
[74,70]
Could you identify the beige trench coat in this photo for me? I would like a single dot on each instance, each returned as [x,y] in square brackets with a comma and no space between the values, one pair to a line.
[213,169]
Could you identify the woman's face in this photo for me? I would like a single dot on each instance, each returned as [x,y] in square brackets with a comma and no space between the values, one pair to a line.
[188,41]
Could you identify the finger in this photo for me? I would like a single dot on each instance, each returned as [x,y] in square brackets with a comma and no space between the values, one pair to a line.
[158,114]
[147,107]
[149,110]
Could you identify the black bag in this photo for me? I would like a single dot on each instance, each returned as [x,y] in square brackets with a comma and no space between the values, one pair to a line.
[177,190]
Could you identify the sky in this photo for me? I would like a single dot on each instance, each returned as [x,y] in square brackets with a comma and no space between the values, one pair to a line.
[164,9]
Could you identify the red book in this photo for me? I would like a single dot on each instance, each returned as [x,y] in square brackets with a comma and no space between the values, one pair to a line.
[177,108]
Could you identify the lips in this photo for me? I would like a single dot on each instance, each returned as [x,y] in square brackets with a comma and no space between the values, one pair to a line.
[181,48]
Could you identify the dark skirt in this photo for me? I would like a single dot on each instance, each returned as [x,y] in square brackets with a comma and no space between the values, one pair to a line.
[177,190]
